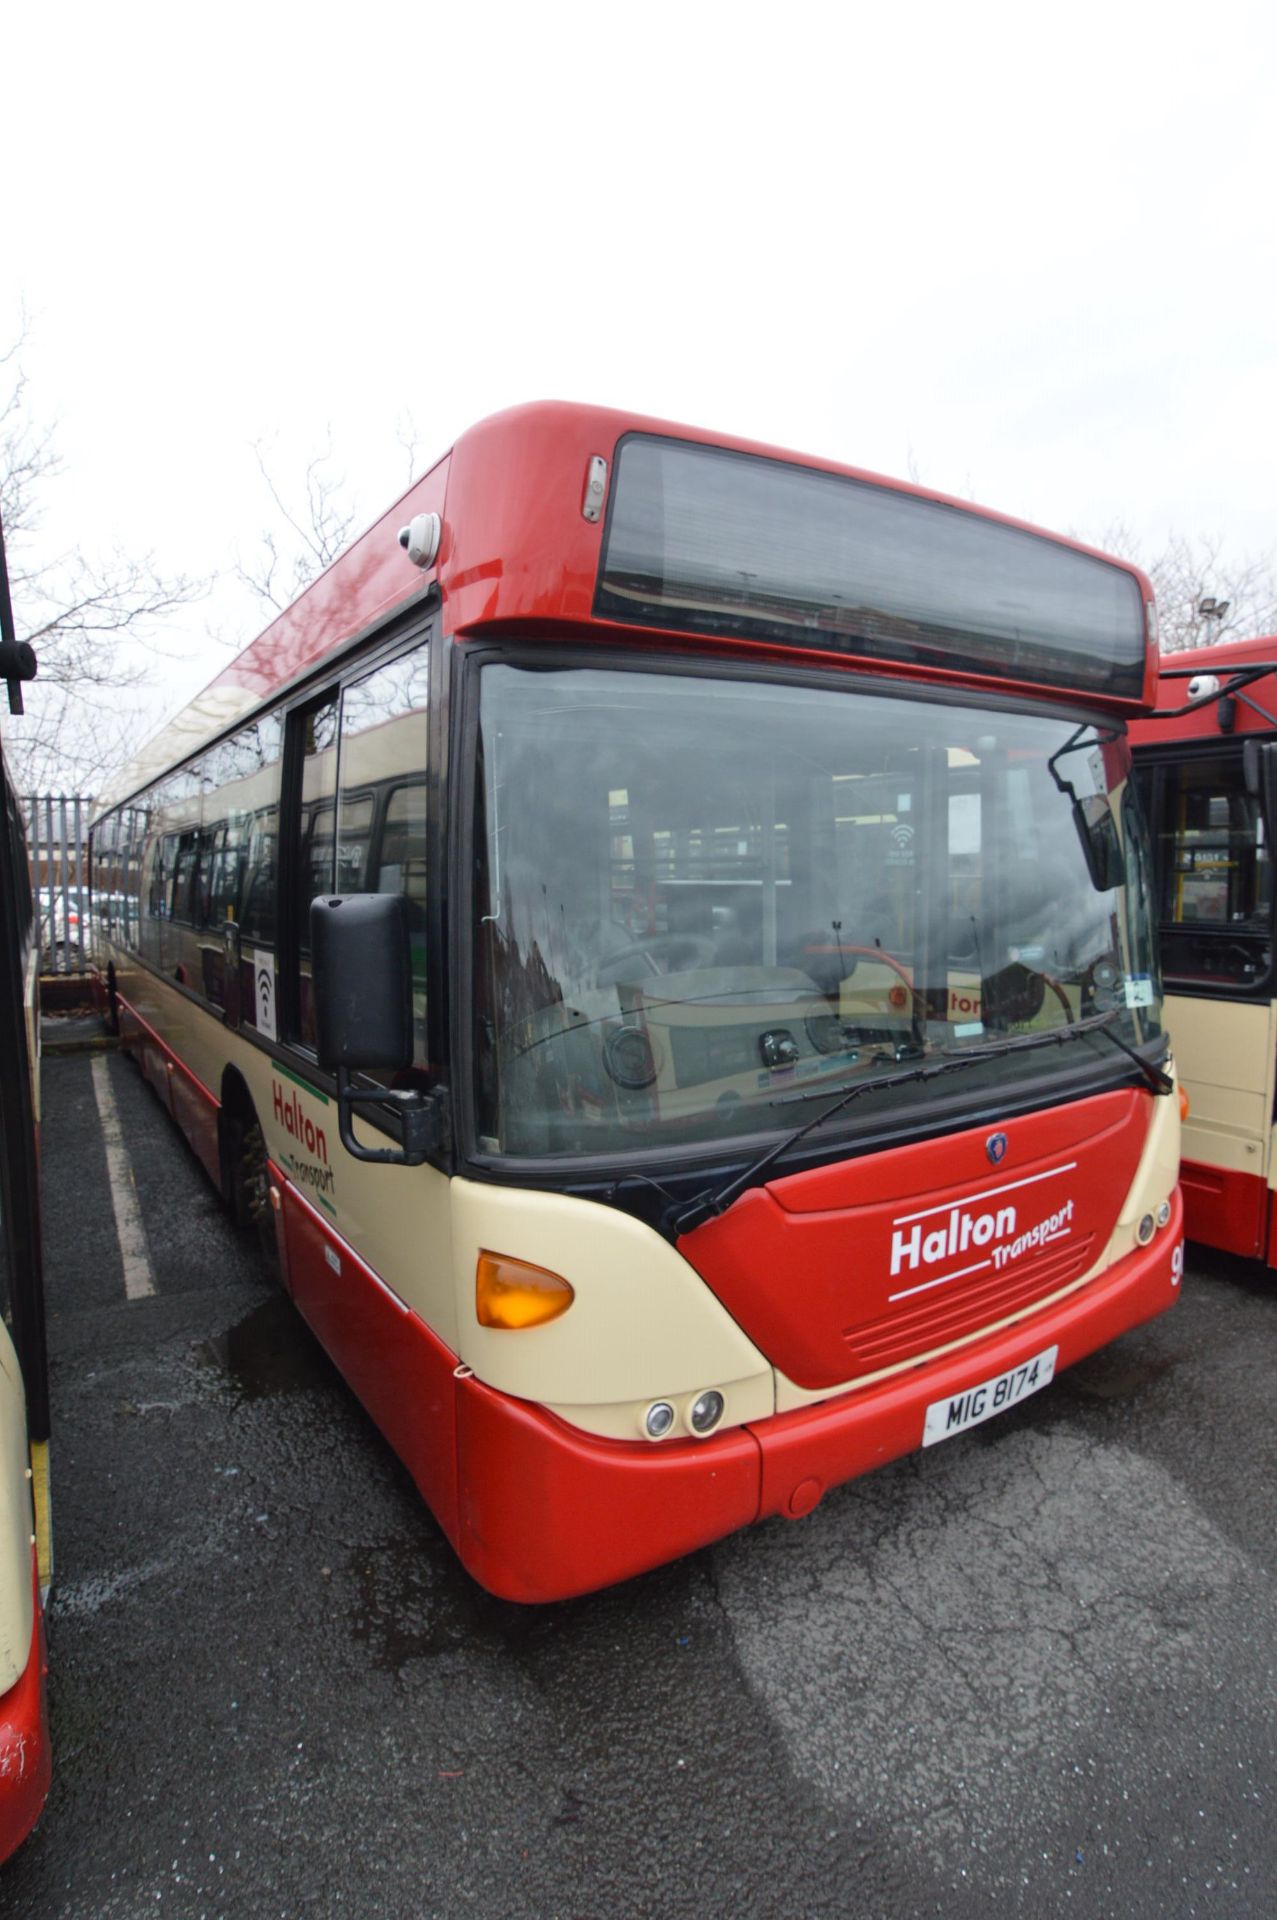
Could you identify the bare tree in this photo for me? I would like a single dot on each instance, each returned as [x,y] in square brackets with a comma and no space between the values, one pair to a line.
[1203,594]
[313,525]
[408,438]
[88,619]
[311,533]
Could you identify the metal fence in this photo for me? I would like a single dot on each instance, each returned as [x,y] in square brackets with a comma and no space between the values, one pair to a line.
[57,827]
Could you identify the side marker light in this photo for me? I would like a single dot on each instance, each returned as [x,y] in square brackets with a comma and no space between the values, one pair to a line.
[1183,1106]
[511,1294]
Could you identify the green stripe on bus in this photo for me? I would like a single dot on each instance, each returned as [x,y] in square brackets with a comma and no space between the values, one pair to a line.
[299,1082]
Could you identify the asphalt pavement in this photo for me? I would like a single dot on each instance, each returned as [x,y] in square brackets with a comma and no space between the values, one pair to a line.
[1029,1672]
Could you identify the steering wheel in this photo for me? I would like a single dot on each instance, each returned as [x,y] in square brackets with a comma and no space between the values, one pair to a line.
[1061,996]
[676,950]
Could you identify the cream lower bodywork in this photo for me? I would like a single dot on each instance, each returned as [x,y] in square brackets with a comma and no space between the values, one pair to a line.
[1227,1054]
[16,1601]
[643,1326]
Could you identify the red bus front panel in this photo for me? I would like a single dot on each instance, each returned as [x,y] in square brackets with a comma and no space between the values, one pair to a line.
[547,1512]
[842,1272]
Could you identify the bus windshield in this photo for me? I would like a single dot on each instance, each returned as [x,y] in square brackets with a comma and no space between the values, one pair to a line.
[698,896]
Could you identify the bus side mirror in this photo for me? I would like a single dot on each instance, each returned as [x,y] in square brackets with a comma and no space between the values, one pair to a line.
[1253,767]
[361,978]
[1259,772]
[361,965]
[1101,847]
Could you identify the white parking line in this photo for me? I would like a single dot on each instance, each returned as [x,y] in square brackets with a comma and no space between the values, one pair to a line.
[139,1280]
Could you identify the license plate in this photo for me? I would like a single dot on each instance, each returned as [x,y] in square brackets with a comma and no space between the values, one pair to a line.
[974,1404]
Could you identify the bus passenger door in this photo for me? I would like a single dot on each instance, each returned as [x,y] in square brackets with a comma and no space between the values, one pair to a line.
[1215,912]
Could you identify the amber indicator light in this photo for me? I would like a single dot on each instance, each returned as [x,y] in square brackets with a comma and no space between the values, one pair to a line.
[511,1293]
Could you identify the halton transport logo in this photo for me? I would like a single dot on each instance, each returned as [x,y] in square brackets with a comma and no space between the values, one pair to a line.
[314,1171]
[988,1225]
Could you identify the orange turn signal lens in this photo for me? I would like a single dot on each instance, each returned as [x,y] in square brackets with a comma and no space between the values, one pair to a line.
[511,1293]
[1183,1106]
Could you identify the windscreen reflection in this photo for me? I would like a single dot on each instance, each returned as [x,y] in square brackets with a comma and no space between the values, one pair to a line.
[696,897]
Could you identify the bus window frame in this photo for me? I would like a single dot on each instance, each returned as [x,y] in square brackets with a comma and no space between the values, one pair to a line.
[1152,765]
[294,856]
[406,637]
[628,1183]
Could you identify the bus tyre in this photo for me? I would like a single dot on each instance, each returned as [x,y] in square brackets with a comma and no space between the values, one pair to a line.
[250,1188]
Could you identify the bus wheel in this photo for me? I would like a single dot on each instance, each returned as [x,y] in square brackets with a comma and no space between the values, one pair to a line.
[248,1184]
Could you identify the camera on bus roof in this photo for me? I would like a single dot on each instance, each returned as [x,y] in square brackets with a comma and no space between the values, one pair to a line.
[420,539]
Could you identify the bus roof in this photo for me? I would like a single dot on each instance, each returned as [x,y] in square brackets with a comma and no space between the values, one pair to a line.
[1252,710]
[517,548]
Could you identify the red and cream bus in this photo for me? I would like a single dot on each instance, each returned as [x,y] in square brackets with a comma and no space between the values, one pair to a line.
[662,930]
[1207,763]
[26,1538]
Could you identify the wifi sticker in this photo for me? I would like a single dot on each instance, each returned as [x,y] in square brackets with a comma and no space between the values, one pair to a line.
[264,992]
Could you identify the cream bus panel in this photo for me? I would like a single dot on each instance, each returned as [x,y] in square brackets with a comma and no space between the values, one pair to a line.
[1225,1054]
[397,1219]
[15,1521]
[1157,1173]
[751,1399]
[643,1325]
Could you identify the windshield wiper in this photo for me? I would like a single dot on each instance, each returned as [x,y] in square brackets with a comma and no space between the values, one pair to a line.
[1157,1078]
[716,1200]
[1097,1023]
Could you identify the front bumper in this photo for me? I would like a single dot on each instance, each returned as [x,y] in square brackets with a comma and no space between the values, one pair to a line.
[545,1512]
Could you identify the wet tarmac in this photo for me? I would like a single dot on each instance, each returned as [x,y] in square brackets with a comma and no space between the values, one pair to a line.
[1030,1671]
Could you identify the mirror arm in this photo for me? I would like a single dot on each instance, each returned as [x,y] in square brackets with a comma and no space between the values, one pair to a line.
[423,1117]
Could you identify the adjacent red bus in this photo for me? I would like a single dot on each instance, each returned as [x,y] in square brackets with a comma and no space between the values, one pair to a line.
[26,1539]
[1207,761]
[660,931]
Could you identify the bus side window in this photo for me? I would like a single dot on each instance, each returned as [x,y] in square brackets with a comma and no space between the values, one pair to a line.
[1214,870]
[183,901]
[244,775]
[225,876]
[1219,870]
[315,840]
[381,802]
[132,841]
[258,908]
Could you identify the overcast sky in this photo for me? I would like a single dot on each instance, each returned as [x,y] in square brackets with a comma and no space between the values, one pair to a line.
[1026,253]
